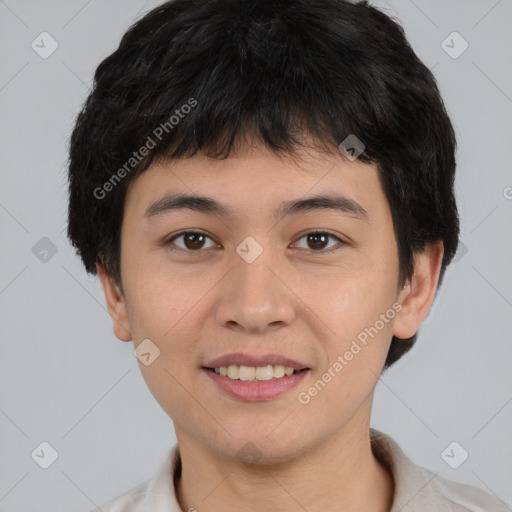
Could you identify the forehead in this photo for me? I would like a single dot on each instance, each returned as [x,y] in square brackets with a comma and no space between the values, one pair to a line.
[256,180]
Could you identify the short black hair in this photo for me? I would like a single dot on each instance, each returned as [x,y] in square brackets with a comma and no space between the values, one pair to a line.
[196,76]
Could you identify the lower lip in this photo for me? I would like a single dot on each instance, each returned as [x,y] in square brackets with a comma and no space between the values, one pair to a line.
[256,390]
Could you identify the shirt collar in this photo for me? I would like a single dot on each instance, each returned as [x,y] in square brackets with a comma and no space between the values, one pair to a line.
[161,493]
[411,481]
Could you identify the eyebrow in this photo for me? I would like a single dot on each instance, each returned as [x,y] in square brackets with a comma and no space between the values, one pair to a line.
[208,205]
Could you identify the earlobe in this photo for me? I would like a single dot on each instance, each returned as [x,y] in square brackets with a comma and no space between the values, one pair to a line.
[417,295]
[116,305]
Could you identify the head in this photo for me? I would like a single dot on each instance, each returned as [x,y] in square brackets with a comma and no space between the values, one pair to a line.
[224,98]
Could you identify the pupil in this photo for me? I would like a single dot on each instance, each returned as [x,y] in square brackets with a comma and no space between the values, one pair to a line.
[318,239]
[194,241]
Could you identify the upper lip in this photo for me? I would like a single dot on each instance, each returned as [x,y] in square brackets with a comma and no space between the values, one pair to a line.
[248,360]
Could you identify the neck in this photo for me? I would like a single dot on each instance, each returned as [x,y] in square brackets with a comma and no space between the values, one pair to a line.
[341,470]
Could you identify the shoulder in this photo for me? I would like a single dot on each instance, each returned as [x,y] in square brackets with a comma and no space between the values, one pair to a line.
[419,489]
[129,501]
[465,498]
[152,495]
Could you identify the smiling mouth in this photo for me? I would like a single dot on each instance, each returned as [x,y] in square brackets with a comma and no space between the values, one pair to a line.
[255,373]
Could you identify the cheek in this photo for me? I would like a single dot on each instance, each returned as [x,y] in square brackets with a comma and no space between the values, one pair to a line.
[164,308]
[161,312]
[361,316]
[160,297]
[348,303]
[358,307]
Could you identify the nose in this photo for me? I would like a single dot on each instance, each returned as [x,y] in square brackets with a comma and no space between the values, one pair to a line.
[255,297]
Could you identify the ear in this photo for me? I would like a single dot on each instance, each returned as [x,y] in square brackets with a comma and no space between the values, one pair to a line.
[417,295]
[116,305]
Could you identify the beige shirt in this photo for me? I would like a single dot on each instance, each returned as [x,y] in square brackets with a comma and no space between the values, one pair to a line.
[416,489]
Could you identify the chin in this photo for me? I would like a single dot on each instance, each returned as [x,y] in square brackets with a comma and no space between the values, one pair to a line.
[264,449]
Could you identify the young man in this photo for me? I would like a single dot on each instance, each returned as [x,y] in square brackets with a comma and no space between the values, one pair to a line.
[265,190]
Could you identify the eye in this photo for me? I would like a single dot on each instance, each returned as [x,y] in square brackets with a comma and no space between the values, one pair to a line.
[192,241]
[318,241]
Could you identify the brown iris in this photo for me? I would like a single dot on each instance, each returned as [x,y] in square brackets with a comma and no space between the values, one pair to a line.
[193,241]
[317,240]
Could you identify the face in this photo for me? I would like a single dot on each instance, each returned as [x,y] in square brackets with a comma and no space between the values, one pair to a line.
[260,275]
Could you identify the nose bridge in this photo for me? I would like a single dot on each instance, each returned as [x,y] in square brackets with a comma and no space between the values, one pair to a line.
[256,278]
[252,261]
[256,298]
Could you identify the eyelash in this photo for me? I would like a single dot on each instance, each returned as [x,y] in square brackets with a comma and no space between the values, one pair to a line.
[169,241]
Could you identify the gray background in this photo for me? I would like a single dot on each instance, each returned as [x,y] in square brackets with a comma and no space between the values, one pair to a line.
[66,380]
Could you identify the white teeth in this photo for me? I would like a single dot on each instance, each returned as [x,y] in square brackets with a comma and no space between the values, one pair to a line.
[269,372]
[279,371]
[264,372]
[246,373]
[233,371]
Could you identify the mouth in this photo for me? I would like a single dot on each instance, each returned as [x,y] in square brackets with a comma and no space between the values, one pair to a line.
[253,379]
